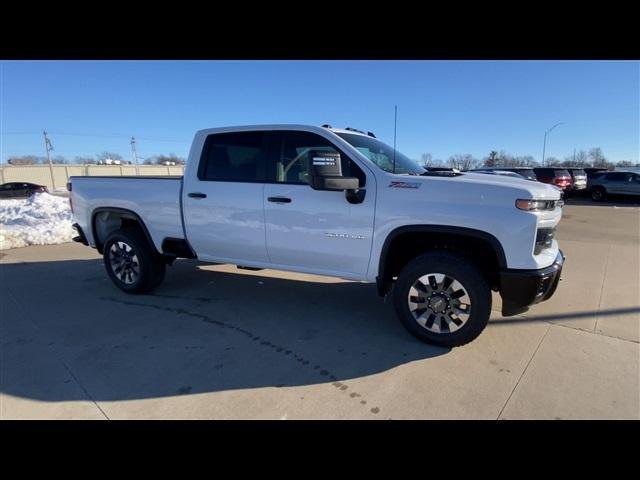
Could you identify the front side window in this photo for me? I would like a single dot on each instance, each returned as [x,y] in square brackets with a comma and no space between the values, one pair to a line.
[292,157]
[233,157]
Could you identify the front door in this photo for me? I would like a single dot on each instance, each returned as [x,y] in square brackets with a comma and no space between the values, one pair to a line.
[223,206]
[314,230]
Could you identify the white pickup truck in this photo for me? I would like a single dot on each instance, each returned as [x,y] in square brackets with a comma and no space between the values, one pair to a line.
[335,202]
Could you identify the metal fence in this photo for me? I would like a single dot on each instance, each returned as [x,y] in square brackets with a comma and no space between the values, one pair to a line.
[42,174]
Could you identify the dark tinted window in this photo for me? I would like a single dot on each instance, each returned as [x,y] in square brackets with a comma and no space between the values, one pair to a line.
[525,172]
[292,157]
[616,176]
[237,157]
[545,172]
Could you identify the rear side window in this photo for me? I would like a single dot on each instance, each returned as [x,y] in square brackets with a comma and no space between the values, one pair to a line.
[617,176]
[233,157]
[526,173]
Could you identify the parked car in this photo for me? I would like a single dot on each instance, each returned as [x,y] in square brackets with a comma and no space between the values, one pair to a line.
[614,183]
[526,172]
[339,203]
[20,189]
[579,179]
[504,173]
[558,176]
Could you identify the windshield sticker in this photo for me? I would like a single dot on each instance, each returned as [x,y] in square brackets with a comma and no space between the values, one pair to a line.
[404,185]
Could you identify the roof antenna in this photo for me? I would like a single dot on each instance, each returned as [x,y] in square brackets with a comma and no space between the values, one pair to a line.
[395,124]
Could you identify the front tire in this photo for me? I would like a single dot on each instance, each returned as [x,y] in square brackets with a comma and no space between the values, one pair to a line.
[442,298]
[131,262]
[598,194]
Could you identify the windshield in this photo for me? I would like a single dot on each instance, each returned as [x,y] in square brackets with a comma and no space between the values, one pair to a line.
[382,154]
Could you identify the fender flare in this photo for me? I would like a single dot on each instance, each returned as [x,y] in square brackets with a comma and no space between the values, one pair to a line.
[462,231]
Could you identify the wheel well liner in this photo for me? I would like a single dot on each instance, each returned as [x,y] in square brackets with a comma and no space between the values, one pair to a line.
[123,213]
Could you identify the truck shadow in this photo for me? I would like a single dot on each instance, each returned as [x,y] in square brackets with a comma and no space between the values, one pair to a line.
[69,334]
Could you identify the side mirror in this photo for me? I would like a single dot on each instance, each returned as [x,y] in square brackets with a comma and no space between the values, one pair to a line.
[325,172]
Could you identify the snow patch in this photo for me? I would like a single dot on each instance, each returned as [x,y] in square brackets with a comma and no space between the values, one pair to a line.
[41,219]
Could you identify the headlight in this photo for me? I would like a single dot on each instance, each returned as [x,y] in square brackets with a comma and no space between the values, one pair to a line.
[538,205]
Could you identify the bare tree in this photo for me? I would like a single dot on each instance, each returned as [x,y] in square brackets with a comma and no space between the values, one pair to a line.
[85,160]
[426,160]
[597,157]
[627,163]
[463,162]
[23,160]
[491,160]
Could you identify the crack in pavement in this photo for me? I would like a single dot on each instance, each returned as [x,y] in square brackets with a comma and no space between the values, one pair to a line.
[342,387]
[524,371]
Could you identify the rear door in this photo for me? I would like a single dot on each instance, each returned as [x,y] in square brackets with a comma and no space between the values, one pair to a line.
[313,230]
[616,182]
[630,184]
[223,205]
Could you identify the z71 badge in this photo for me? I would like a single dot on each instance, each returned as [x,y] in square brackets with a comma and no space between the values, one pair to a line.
[404,185]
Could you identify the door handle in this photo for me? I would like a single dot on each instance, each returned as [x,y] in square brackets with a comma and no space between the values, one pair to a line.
[279,199]
[197,195]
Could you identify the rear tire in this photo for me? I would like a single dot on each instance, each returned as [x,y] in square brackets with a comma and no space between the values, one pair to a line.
[442,298]
[598,194]
[131,262]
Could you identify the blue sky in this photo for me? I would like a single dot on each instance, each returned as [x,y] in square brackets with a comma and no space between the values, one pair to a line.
[444,107]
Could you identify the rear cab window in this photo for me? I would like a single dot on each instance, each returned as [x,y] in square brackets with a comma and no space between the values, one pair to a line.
[234,157]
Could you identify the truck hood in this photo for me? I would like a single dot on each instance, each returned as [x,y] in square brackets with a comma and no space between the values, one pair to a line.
[499,183]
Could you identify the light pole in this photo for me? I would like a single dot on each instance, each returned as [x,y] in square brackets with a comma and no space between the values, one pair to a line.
[544,144]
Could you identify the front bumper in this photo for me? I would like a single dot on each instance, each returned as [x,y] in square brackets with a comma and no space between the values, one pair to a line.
[521,288]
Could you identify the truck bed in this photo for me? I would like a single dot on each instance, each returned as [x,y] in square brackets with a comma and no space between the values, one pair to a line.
[156,200]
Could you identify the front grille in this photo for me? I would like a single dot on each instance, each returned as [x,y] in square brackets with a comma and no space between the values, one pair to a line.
[544,239]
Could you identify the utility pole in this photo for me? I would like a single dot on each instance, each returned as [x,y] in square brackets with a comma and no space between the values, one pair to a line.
[574,156]
[135,154]
[544,144]
[48,146]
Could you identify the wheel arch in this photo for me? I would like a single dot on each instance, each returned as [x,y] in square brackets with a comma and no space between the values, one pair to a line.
[122,218]
[432,237]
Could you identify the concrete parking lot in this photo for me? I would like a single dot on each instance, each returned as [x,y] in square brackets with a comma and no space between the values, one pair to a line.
[215,342]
